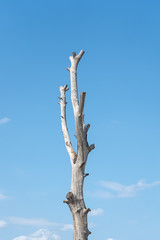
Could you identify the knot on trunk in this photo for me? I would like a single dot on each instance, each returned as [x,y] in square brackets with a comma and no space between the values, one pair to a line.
[70,197]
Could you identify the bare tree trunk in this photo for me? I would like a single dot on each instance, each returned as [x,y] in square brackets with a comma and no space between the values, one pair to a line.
[75,198]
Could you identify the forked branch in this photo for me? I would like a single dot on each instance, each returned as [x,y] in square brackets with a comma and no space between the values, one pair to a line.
[73,76]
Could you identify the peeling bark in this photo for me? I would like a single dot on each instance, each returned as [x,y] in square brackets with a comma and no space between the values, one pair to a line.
[75,199]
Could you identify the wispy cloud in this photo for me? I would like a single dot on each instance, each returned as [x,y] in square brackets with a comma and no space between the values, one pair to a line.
[31,221]
[100,194]
[91,225]
[96,212]
[67,227]
[122,191]
[41,234]
[2,223]
[110,239]
[2,197]
[4,120]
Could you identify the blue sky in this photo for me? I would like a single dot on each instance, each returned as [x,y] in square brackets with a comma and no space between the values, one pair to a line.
[120,73]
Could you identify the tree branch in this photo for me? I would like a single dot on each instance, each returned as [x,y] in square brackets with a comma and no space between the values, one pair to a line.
[85,175]
[67,140]
[74,97]
[91,147]
[86,128]
[87,210]
[79,56]
[73,76]
[81,105]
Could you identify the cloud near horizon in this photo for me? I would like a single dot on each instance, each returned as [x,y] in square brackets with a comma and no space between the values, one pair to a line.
[41,234]
[39,222]
[2,223]
[31,221]
[4,120]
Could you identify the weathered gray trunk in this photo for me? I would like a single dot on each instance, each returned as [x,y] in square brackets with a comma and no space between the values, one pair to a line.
[75,199]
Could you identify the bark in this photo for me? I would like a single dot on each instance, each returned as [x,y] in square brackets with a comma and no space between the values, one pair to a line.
[75,199]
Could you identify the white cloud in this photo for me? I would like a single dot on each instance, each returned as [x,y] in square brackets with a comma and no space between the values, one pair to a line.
[96,212]
[31,221]
[110,239]
[122,191]
[41,234]
[4,120]
[67,227]
[2,223]
[2,197]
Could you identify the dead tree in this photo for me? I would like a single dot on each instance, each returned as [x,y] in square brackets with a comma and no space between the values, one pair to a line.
[78,159]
